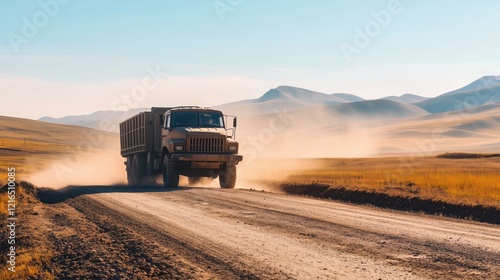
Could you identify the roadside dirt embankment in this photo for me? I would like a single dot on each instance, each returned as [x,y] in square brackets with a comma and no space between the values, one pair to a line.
[414,204]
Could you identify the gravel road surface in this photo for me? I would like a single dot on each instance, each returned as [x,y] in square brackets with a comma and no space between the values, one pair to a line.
[121,232]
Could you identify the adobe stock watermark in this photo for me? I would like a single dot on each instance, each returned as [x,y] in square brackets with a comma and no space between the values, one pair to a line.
[256,143]
[373,28]
[31,26]
[11,219]
[94,138]
[222,7]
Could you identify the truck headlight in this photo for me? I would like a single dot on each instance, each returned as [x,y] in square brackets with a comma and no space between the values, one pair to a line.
[233,148]
[179,148]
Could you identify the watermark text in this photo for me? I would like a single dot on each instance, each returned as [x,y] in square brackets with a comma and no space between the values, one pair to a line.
[11,219]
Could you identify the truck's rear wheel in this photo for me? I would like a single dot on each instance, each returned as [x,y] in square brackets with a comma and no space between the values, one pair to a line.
[227,179]
[170,173]
[129,169]
[136,171]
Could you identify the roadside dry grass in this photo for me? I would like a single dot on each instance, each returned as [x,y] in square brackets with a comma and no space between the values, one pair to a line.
[32,255]
[469,181]
[30,266]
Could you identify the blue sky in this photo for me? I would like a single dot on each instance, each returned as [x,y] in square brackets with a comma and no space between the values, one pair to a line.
[83,56]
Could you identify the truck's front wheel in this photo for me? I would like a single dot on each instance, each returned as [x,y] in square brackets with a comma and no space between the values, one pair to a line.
[170,173]
[227,179]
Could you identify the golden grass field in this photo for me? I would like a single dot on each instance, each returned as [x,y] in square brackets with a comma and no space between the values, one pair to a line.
[30,156]
[472,181]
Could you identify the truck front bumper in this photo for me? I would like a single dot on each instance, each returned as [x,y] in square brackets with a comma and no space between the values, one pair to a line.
[222,158]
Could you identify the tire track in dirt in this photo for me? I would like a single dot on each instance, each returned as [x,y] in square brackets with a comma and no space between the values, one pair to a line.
[90,246]
[157,247]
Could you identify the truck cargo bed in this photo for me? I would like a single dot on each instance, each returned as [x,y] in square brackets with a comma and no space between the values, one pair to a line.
[136,134]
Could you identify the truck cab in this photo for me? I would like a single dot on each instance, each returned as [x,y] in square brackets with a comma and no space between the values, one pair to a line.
[196,144]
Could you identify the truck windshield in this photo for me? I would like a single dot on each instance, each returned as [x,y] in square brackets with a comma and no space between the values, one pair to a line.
[197,119]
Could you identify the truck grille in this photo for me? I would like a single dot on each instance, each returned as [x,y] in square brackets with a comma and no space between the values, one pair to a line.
[206,145]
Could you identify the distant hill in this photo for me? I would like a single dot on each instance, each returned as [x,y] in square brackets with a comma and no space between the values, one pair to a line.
[381,109]
[38,131]
[95,120]
[406,98]
[480,92]
[482,83]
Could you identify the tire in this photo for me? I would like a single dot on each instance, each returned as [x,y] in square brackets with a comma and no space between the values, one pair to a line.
[149,166]
[227,179]
[137,172]
[130,177]
[170,173]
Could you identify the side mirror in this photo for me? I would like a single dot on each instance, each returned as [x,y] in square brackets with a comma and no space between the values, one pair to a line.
[235,122]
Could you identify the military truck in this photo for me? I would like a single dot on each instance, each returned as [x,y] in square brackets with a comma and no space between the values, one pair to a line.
[191,141]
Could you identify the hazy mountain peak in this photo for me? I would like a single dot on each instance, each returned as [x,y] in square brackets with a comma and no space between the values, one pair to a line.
[485,90]
[491,79]
[481,83]
[270,95]
[484,82]
[306,97]
[291,88]
[408,95]
[287,93]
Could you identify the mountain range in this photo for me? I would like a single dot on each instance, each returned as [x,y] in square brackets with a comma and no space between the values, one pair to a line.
[285,120]
[485,90]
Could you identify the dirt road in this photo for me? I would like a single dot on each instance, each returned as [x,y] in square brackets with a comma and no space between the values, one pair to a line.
[205,233]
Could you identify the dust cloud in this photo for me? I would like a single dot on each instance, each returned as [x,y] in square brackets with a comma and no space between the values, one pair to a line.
[268,174]
[101,167]
[276,146]
[317,133]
